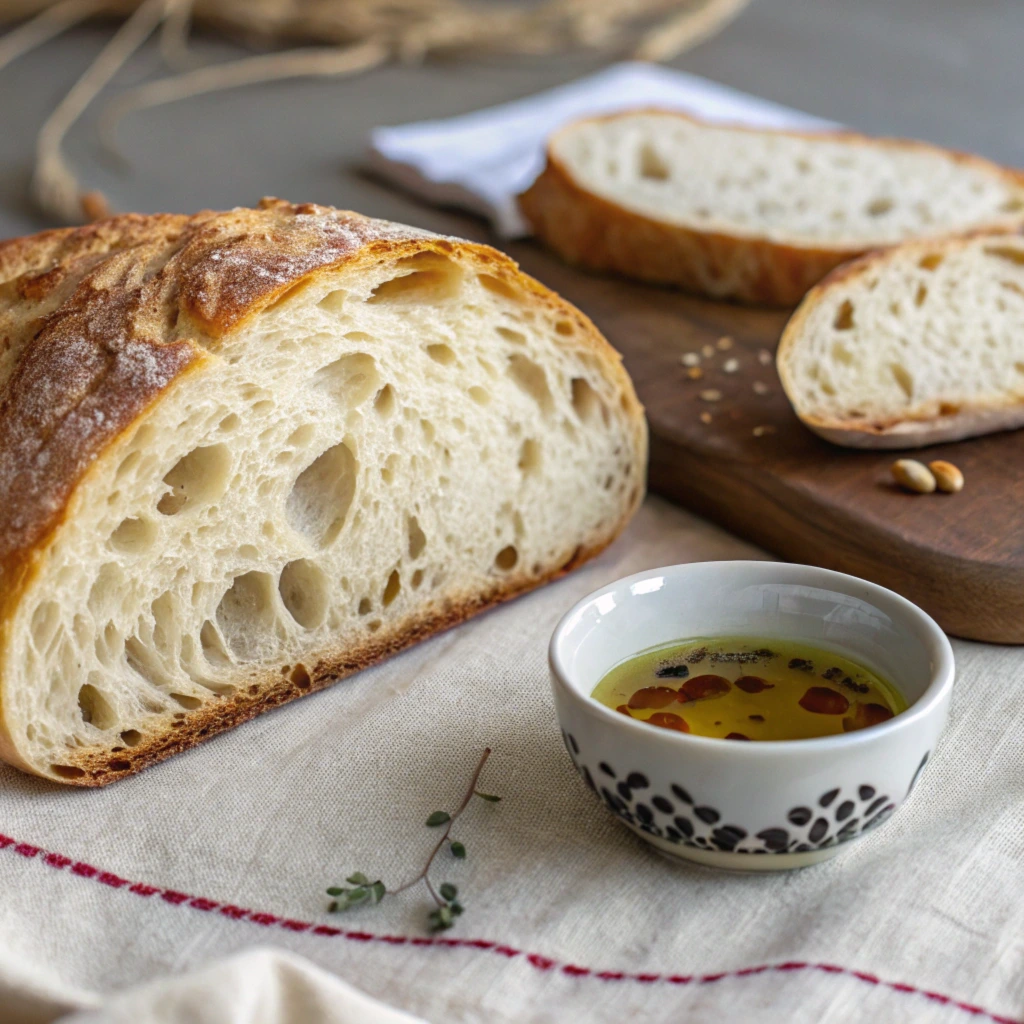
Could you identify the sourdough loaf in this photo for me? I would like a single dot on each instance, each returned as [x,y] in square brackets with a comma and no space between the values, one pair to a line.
[753,215]
[912,346]
[245,454]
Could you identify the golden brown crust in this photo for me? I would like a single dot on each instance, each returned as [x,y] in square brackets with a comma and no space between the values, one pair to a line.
[97,322]
[591,231]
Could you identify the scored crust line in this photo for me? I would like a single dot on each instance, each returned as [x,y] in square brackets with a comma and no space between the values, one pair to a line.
[59,862]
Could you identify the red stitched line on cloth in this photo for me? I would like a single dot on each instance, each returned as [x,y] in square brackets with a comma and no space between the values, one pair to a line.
[59,862]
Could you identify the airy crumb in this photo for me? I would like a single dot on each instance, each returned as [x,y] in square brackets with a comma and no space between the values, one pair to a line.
[731,365]
[724,343]
[711,395]
[764,357]
[690,359]
[695,373]
[760,388]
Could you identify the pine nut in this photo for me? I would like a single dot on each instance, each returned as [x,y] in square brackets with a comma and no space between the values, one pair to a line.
[947,477]
[913,475]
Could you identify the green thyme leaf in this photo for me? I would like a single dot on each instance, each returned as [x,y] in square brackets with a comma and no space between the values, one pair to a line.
[458,850]
[457,907]
[448,891]
[358,879]
[444,915]
[438,818]
[334,891]
[377,891]
[332,907]
[487,796]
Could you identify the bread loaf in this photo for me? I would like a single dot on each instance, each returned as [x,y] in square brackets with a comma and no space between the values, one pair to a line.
[919,344]
[753,215]
[245,454]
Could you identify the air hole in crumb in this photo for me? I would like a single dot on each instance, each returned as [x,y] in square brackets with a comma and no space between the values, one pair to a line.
[246,614]
[506,558]
[230,422]
[133,536]
[652,164]
[531,379]
[584,399]
[186,701]
[1006,252]
[480,395]
[384,403]
[417,579]
[497,286]
[374,625]
[903,378]
[198,478]
[931,261]
[321,496]
[429,433]
[387,471]
[302,436]
[95,709]
[844,316]
[841,354]
[67,771]
[441,353]
[948,409]
[212,644]
[365,606]
[393,588]
[120,765]
[515,337]
[333,301]
[879,207]
[350,380]
[131,737]
[301,678]
[922,294]
[530,456]
[564,327]
[431,278]
[1012,206]
[303,588]
[417,538]
[253,690]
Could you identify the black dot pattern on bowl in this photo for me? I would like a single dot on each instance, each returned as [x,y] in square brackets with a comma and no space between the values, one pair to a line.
[800,815]
[844,818]
[682,794]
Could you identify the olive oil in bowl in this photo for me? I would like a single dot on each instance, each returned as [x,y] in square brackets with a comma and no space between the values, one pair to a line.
[743,688]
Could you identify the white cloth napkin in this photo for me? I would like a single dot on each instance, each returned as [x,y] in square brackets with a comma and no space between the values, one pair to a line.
[483,160]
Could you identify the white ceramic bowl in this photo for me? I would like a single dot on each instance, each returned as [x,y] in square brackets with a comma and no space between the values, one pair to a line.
[762,805]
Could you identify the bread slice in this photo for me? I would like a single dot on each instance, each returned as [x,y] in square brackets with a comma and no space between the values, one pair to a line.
[912,346]
[753,215]
[245,454]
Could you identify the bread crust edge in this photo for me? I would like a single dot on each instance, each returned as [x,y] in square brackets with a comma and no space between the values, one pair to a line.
[898,431]
[594,232]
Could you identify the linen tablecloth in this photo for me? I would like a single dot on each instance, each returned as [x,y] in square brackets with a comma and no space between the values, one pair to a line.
[568,916]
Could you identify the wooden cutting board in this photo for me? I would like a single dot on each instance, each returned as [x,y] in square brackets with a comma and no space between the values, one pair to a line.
[755,469]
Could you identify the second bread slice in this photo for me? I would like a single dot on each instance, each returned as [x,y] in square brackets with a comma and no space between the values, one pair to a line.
[752,215]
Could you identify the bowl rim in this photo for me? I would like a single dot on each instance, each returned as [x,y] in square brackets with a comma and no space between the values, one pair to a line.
[931,701]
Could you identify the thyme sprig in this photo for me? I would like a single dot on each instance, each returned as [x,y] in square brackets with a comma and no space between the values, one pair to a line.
[363,892]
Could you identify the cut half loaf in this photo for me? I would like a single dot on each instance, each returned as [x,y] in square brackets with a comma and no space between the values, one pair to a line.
[916,345]
[753,215]
[245,454]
